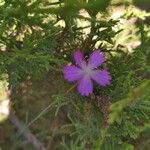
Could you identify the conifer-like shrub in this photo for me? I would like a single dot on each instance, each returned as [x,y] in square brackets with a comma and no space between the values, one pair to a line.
[38,39]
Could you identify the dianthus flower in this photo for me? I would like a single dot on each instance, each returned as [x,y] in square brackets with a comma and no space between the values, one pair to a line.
[85,72]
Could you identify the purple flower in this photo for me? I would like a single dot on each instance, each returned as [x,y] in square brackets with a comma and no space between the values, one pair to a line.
[85,72]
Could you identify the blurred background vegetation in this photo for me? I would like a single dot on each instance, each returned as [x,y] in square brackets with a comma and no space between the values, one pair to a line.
[38,37]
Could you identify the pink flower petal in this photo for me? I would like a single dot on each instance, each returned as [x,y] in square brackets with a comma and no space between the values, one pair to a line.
[96,59]
[85,86]
[79,58]
[102,77]
[72,73]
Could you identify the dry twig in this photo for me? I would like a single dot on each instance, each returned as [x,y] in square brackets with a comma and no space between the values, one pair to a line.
[26,133]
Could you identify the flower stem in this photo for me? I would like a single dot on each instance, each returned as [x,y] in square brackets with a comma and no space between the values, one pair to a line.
[70,89]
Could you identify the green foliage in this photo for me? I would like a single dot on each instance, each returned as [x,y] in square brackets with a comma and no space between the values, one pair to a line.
[38,37]
[135,95]
[141,2]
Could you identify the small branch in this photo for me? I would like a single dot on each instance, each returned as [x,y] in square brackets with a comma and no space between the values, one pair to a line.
[26,133]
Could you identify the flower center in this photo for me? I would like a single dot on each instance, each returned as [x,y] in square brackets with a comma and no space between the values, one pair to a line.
[87,71]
